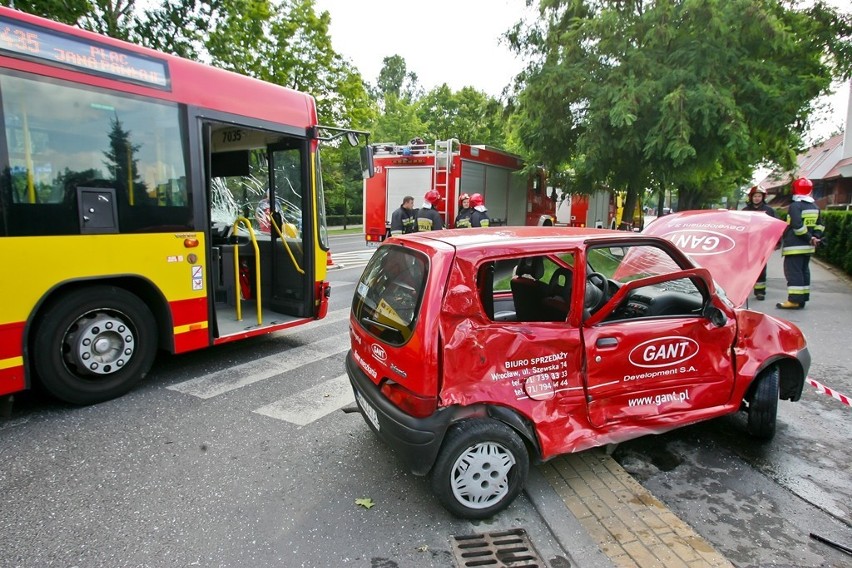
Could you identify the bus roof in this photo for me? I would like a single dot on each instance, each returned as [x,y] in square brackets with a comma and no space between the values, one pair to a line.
[186,81]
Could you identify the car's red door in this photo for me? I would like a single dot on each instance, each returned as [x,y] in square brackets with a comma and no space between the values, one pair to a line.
[655,369]
[653,351]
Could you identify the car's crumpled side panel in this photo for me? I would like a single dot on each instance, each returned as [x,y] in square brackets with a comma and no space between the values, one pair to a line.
[762,340]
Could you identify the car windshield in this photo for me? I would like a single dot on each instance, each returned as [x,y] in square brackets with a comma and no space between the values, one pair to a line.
[387,298]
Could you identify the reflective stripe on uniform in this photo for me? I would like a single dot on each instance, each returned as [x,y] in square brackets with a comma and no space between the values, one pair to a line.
[798,249]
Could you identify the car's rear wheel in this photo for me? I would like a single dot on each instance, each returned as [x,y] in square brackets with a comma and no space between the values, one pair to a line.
[763,405]
[482,467]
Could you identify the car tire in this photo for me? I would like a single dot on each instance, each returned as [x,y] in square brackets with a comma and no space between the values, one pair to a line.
[481,468]
[94,344]
[763,405]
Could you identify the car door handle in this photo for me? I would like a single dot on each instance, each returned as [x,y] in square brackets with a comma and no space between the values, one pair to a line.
[606,342]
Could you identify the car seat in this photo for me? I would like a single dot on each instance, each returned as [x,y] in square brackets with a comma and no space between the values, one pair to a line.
[528,289]
[557,297]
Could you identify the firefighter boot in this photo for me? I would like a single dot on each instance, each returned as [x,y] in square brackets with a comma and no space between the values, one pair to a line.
[788,305]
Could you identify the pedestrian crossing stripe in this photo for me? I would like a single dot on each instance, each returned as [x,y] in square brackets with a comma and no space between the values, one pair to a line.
[311,404]
[239,376]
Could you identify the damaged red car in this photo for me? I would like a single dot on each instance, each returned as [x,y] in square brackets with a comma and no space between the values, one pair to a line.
[477,352]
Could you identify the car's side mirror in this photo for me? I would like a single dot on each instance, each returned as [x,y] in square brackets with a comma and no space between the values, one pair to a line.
[715,315]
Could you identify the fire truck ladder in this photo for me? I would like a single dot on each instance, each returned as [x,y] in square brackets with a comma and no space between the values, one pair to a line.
[443,165]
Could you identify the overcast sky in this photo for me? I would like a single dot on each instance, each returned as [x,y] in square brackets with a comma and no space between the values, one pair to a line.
[455,42]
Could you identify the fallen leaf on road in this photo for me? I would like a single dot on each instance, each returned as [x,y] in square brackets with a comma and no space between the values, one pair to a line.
[365,502]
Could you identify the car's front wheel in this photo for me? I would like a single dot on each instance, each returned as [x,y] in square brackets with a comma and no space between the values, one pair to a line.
[763,405]
[482,467]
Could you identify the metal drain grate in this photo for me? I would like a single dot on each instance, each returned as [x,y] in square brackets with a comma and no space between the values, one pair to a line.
[509,549]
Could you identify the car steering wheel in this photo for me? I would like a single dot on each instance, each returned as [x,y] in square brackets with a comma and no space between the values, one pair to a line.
[596,291]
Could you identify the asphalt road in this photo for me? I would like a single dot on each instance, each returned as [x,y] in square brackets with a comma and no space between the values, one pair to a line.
[241,456]
[238,455]
[759,503]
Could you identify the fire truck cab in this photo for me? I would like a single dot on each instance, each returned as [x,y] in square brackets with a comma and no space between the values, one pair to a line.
[452,168]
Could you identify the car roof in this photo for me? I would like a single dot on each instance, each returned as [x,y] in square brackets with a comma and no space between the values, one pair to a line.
[482,239]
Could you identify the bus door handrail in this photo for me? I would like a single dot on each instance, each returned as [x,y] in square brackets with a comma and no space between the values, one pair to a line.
[286,246]
[247,223]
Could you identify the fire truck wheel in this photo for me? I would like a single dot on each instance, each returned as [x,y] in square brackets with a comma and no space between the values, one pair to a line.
[763,405]
[482,467]
[94,344]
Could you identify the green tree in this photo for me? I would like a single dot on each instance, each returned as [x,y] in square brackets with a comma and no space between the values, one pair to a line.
[121,161]
[175,26]
[66,11]
[672,93]
[395,80]
[468,115]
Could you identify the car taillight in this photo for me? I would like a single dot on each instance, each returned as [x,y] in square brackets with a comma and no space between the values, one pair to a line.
[407,401]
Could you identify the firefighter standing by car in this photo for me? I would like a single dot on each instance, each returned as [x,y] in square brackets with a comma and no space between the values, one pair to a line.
[757,202]
[479,217]
[465,211]
[799,242]
[404,219]
[428,219]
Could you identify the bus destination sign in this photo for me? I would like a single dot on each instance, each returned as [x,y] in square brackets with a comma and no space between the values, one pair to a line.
[59,49]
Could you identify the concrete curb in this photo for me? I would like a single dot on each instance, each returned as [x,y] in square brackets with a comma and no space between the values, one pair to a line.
[566,529]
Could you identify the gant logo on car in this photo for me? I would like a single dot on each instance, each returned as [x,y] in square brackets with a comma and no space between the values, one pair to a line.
[379,352]
[663,351]
[698,242]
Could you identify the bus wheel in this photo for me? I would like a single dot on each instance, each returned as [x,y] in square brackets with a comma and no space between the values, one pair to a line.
[94,344]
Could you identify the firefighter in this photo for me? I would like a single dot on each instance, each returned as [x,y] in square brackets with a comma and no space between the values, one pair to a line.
[465,211]
[428,218]
[404,219]
[479,217]
[799,242]
[757,202]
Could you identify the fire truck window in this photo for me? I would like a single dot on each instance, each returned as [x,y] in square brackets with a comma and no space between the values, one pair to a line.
[59,138]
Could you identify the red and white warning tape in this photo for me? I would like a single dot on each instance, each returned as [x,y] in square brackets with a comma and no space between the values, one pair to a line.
[825,390]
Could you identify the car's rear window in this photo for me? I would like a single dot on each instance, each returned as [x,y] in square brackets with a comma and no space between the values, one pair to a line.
[387,298]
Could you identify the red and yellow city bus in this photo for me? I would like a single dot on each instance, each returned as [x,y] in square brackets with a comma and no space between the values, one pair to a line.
[146,202]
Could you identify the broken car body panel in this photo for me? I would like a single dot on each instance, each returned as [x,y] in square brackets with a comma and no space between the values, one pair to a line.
[633,339]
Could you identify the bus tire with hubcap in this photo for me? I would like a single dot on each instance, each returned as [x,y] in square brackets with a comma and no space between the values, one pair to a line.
[94,344]
[481,468]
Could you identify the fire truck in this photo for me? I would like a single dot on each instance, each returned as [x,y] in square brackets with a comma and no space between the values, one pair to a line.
[601,210]
[452,168]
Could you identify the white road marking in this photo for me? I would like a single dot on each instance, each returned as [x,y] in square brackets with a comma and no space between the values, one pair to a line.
[352,259]
[261,369]
[311,404]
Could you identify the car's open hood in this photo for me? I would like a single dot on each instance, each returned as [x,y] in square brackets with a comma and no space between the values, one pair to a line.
[732,245]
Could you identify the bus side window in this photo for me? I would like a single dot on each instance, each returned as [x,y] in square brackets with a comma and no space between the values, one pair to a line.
[131,145]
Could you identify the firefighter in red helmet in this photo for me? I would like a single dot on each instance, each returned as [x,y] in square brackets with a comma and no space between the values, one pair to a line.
[465,211]
[757,202]
[479,217]
[801,237]
[428,218]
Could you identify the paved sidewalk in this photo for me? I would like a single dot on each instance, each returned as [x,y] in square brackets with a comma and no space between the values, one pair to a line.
[629,526]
